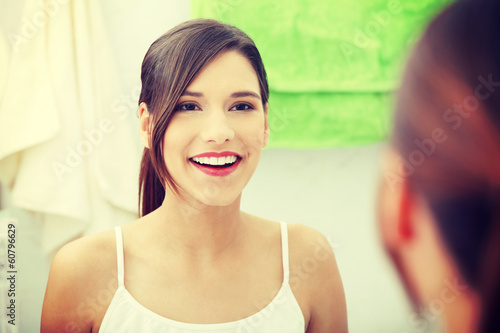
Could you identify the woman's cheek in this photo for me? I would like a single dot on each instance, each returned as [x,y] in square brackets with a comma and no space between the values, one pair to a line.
[254,132]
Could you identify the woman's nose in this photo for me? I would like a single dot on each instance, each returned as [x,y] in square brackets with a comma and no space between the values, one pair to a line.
[217,128]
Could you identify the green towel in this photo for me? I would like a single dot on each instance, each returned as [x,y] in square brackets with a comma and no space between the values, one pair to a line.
[332,65]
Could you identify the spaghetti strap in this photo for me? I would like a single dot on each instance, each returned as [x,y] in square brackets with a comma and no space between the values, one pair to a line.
[119,256]
[284,251]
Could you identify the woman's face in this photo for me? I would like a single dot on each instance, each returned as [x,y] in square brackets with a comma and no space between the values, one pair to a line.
[214,140]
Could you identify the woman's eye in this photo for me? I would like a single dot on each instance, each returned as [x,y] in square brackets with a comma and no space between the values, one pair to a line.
[241,107]
[187,107]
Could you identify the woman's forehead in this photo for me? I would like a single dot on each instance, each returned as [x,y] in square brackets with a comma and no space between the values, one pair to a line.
[230,71]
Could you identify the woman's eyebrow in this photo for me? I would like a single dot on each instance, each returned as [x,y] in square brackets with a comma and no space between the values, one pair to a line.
[237,94]
[245,93]
[192,93]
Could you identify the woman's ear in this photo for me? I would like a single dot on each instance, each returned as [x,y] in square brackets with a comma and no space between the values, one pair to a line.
[396,204]
[144,132]
[266,125]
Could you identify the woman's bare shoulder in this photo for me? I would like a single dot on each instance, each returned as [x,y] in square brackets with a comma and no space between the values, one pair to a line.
[87,254]
[311,255]
[80,270]
[314,275]
[307,240]
[83,266]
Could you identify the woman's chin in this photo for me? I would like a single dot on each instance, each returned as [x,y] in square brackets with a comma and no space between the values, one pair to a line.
[218,201]
[218,193]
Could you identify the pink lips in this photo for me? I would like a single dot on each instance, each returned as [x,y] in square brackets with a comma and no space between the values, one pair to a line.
[217,171]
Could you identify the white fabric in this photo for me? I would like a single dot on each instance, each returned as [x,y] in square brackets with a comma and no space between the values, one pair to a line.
[125,314]
[68,151]
[4,62]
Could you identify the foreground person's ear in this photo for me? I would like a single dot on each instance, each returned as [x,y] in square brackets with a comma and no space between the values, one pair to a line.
[396,204]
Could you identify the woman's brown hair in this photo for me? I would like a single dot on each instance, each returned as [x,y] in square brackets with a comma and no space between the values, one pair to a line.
[447,132]
[170,64]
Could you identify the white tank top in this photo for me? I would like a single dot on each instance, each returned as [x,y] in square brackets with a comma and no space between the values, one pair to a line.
[125,314]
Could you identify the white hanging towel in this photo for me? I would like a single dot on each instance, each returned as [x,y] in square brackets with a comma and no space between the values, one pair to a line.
[67,151]
[4,62]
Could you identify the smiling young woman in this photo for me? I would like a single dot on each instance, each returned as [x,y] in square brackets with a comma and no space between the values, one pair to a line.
[194,261]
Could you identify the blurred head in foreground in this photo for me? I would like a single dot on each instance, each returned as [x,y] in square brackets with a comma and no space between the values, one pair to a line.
[439,203]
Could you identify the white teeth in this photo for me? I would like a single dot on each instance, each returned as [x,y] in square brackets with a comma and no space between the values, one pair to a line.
[204,160]
[215,160]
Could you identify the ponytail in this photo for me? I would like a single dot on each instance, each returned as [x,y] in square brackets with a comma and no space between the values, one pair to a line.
[151,189]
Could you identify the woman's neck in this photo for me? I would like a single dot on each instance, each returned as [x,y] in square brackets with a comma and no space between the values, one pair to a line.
[198,230]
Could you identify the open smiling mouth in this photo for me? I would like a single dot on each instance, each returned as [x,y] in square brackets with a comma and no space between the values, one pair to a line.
[216,166]
[216,162]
